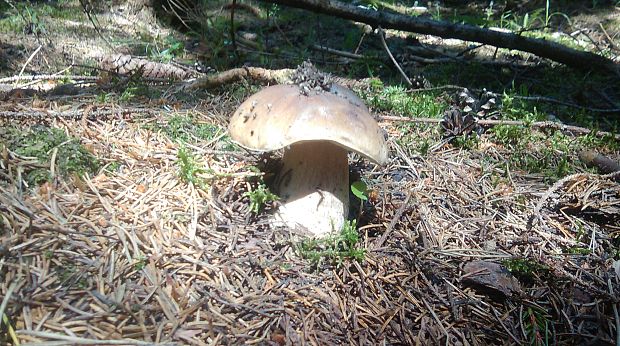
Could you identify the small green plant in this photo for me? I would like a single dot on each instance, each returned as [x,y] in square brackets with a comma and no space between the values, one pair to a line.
[376,84]
[536,152]
[436,12]
[174,49]
[536,326]
[113,166]
[259,197]
[578,250]
[189,168]
[128,94]
[103,98]
[140,262]
[525,267]
[334,249]
[469,142]
[360,190]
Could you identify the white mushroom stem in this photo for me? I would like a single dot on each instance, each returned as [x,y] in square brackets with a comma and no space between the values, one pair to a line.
[314,187]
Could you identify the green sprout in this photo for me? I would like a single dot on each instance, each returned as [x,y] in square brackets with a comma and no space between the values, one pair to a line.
[259,197]
[536,326]
[189,168]
[360,190]
[334,249]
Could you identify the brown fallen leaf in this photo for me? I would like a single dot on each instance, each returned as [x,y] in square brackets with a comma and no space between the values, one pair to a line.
[490,278]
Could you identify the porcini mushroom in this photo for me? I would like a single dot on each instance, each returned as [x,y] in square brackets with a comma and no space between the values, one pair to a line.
[315,128]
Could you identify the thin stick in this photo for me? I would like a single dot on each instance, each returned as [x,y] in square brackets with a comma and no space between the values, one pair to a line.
[86,341]
[27,62]
[538,125]
[616,315]
[395,219]
[84,5]
[10,330]
[5,301]
[564,103]
[232,29]
[382,34]
[611,42]
[55,76]
[337,52]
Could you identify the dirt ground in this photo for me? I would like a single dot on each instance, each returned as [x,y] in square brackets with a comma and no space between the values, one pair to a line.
[126,211]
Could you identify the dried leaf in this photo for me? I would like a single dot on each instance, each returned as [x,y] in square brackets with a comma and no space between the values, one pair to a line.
[490,277]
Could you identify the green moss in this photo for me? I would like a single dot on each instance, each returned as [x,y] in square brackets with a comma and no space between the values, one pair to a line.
[553,155]
[525,268]
[184,128]
[40,142]
[397,100]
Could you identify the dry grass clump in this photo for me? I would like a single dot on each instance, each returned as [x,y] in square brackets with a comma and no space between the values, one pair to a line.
[136,255]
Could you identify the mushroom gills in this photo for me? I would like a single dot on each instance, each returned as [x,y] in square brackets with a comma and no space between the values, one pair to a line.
[313,187]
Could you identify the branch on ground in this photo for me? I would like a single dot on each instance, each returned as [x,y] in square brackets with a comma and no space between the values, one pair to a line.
[575,130]
[546,49]
[260,75]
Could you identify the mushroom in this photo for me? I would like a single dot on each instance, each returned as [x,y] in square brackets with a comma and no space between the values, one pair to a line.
[315,128]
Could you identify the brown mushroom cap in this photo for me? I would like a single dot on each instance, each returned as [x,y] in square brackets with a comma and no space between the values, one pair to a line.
[281,115]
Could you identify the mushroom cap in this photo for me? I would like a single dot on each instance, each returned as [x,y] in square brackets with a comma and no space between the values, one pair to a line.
[281,115]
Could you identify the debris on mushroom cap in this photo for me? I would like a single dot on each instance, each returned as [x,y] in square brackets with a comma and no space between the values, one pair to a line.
[309,78]
[280,115]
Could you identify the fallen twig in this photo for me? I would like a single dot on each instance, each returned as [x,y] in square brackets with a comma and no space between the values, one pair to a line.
[257,74]
[616,315]
[74,115]
[540,47]
[46,77]
[558,184]
[84,341]
[28,62]
[337,52]
[399,213]
[538,125]
[387,49]
[603,163]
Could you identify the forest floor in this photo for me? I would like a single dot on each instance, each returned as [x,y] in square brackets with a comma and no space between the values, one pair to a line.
[128,215]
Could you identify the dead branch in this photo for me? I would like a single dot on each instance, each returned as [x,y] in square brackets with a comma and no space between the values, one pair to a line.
[237,74]
[31,78]
[72,115]
[546,49]
[603,163]
[336,52]
[260,75]
[537,125]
